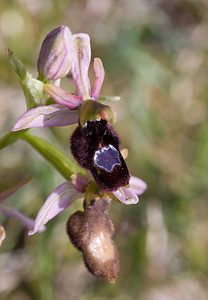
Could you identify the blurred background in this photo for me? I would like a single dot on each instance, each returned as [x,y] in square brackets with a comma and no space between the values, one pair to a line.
[155,55]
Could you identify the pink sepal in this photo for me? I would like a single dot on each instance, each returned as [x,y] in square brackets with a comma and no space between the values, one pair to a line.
[56,202]
[13,213]
[46,116]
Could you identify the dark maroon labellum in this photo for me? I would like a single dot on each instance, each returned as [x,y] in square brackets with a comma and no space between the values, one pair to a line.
[95,146]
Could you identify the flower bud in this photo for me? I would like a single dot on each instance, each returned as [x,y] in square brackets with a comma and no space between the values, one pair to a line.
[55,58]
[96,147]
[91,232]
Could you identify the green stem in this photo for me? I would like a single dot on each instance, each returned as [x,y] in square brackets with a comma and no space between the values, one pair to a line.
[58,159]
[10,138]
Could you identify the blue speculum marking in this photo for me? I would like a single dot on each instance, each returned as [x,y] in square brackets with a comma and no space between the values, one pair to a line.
[107,158]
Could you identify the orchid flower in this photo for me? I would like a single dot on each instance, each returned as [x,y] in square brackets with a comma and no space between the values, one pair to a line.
[63,52]
[95,145]
[64,112]
[11,212]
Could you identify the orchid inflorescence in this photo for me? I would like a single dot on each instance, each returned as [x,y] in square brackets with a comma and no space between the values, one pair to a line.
[101,174]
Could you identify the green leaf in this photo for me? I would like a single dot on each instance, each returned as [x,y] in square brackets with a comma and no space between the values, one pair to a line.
[17,66]
[32,88]
[57,158]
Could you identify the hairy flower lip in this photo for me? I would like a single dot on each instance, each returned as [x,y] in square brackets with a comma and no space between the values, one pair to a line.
[96,147]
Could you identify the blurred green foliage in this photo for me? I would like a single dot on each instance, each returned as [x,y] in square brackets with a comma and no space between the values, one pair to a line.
[155,58]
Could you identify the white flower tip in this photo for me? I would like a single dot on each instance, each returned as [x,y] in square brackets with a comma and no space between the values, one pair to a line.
[31,232]
[37,229]
[131,201]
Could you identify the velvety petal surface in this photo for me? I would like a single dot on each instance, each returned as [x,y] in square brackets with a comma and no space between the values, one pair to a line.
[100,75]
[80,64]
[56,202]
[13,213]
[62,97]
[46,116]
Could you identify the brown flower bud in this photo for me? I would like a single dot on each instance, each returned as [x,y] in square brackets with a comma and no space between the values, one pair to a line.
[91,232]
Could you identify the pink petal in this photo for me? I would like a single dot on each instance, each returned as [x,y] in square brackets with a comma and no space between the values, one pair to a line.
[80,64]
[13,213]
[46,116]
[62,97]
[137,185]
[100,74]
[126,196]
[56,202]
[7,193]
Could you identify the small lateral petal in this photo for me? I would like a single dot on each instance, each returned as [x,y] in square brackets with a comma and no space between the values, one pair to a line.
[46,116]
[62,97]
[100,74]
[56,202]
[2,234]
[137,185]
[126,196]
[13,213]
[80,64]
